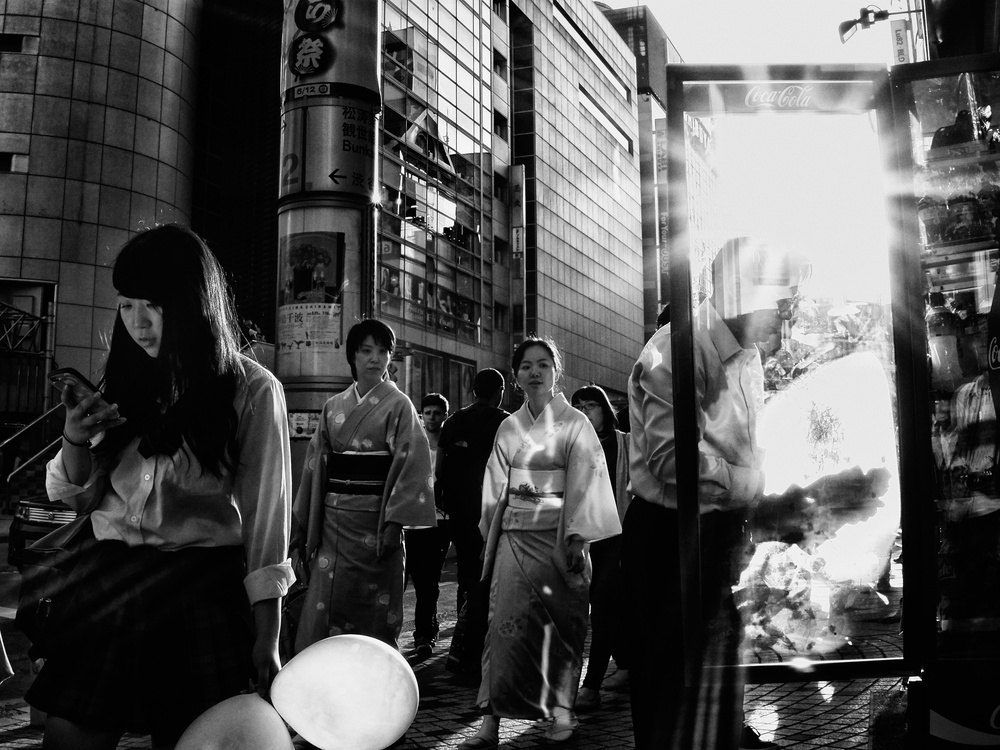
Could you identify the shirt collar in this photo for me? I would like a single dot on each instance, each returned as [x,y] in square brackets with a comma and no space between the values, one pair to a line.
[709,321]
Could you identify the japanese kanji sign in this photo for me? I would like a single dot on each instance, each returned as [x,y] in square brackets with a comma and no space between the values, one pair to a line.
[328,147]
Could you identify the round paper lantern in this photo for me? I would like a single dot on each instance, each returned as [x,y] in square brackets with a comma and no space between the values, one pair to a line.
[243,722]
[347,692]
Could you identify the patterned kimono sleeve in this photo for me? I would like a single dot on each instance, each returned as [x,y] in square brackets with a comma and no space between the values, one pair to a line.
[589,507]
[409,487]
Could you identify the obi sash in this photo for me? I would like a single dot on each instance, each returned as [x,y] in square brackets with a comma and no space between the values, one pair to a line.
[357,473]
[530,489]
[534,500]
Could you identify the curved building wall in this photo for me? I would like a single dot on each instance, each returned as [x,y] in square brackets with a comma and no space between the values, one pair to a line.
[96,130]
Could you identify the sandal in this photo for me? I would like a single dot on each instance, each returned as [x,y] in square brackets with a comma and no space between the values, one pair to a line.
[479,743]
[562,728]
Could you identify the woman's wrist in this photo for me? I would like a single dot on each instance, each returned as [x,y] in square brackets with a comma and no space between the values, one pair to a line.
[75,443]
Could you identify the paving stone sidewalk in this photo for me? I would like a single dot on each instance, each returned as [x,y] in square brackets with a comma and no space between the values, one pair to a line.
[796,715]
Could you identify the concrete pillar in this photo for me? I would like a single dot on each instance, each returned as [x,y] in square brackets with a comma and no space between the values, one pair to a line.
[330,103]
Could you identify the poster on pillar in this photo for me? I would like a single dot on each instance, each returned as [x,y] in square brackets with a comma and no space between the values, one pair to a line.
[309,324]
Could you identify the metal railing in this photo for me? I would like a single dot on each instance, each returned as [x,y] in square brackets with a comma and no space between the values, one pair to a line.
[40,454]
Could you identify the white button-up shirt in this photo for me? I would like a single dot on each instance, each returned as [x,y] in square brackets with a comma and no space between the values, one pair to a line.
[168,502]
[729,387]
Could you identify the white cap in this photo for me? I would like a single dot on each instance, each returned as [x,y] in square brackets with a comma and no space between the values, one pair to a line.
[748,276]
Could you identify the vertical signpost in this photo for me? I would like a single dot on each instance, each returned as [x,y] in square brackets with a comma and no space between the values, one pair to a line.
[901,42]
[330,104]
[517,240]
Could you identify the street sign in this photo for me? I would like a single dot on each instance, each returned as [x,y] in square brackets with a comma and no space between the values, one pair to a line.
[900,41]
[328,146]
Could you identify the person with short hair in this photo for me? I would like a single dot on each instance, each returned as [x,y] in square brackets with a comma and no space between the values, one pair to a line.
[464,448]
[546,494]
[367,475]
[427,548]
[183,463]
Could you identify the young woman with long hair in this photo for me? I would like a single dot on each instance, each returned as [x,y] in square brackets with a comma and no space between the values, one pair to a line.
[183,464]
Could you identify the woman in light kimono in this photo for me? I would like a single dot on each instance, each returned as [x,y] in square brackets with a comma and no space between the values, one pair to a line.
[367,475]
[546,493]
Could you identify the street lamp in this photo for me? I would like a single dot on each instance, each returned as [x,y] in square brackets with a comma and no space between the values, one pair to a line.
[866,17]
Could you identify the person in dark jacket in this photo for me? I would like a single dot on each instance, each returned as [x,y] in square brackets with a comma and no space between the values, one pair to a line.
[464,448]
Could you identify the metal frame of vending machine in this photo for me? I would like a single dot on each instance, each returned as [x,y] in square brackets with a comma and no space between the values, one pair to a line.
[863,328]
[948,187]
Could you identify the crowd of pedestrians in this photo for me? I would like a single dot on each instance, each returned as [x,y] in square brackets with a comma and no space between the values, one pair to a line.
[560,520]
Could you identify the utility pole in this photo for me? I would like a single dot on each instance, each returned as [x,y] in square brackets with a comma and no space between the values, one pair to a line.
[330,104]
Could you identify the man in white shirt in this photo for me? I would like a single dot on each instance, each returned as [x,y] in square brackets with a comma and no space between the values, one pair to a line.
[754,294]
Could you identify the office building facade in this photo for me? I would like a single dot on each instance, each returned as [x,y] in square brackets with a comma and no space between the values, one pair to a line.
[510,190]
[509,177]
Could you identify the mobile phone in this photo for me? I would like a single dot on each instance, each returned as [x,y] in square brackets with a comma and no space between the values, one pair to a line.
[68,377]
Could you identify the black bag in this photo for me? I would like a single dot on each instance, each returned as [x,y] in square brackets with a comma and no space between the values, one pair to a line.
[45,571]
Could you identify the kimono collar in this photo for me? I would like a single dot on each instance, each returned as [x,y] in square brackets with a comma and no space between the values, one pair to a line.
[379,390]
[552,410]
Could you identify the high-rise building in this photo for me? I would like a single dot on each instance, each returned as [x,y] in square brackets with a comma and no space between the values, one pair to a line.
[114,116]
[653,50]
[510,190]
[509,177]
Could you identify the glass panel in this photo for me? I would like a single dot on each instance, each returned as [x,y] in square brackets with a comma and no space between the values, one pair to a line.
[792,301]
[460,392]
[957,190]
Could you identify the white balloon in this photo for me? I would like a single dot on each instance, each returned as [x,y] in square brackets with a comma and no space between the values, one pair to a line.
[347,692]
[243,722]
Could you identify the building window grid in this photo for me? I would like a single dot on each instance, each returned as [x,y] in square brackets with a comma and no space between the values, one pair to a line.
[444,309]
[590,50]
[499,64]
[13,162]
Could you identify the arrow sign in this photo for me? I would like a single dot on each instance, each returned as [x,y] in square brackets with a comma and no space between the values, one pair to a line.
[336,177]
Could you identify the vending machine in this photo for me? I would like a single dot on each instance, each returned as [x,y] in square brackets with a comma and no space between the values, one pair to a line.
[880,189]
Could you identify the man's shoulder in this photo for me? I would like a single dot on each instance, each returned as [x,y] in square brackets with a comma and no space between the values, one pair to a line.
[475,417]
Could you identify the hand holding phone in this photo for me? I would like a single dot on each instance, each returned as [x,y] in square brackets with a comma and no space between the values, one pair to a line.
[68,377]
[100,414]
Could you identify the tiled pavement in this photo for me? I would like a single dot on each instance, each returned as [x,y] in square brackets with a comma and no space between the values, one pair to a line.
[796,715]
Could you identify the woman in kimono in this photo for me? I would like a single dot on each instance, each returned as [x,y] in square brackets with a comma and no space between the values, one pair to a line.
[546,493]
[367,475]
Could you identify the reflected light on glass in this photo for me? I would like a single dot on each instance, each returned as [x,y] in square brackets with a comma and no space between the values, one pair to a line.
[802,664]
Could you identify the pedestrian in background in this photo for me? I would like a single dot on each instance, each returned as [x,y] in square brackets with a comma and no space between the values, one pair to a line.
[367,474]
[464,448]
[607,599]
[546,493]
[427,548]
[183,464]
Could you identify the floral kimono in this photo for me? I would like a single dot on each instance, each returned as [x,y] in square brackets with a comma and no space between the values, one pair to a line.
[368,464]
[545,481]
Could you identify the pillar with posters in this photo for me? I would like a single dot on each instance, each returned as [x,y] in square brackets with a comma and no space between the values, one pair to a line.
[330,102]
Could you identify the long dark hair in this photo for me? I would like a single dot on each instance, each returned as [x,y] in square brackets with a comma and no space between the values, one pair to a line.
[186,393]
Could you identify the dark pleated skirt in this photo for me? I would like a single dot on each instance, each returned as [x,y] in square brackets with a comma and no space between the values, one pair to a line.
[149,640]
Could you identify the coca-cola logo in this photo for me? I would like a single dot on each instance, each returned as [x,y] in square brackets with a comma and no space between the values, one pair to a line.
[993,352]
[794,96]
